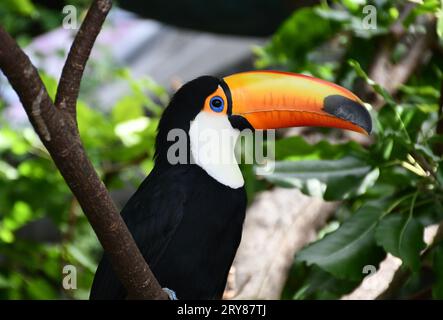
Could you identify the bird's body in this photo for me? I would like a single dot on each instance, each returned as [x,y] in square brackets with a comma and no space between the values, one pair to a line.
[178,225]
[185,222]
[187,215]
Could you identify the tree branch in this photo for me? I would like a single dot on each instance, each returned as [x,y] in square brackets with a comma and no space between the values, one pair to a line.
[69,85]
[58,131]
[392,75]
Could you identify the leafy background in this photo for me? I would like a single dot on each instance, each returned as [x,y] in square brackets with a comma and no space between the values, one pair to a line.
[390,188]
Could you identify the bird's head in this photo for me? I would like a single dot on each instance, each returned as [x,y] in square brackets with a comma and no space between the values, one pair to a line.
[256,100]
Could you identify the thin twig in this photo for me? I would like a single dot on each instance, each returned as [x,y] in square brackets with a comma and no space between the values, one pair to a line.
[69,85]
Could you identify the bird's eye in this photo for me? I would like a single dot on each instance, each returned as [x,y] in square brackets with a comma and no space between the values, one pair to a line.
[217,104]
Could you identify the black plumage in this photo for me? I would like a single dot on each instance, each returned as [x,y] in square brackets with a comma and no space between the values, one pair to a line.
[187,225]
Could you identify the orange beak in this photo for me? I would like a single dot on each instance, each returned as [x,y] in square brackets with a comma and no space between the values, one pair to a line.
[272,100]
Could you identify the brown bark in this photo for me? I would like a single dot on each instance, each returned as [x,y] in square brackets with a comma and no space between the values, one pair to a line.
[392,75]
[279,223]
[58,131]
[69,84]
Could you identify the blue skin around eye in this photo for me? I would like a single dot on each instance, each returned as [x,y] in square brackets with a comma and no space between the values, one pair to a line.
[213,106]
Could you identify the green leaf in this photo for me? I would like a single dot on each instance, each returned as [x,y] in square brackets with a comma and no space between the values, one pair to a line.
[428,6]
[439,16]
[353,5]
[345,252]
[129,131]
[427,91]
[126,109]
[8,171]
[22,7]
[140,87]
[38,288]
[4,283]
[387,150]
[82,258]
[50,84]
[437,288]
[6,235]
[329,179]
[317,282]
[21,212]
[402,236]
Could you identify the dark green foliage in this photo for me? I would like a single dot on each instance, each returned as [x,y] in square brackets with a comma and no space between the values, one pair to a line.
[392,190]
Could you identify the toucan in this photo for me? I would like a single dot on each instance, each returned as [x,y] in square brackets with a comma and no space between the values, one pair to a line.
[187,217]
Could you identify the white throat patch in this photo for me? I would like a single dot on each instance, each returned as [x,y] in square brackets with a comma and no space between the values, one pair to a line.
[212,140]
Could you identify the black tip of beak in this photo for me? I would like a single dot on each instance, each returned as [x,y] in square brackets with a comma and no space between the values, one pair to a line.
[240,123]
[349,110]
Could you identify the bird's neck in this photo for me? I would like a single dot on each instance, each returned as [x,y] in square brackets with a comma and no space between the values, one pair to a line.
[212,144]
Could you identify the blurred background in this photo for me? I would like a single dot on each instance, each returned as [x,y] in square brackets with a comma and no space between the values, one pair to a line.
[342,216]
